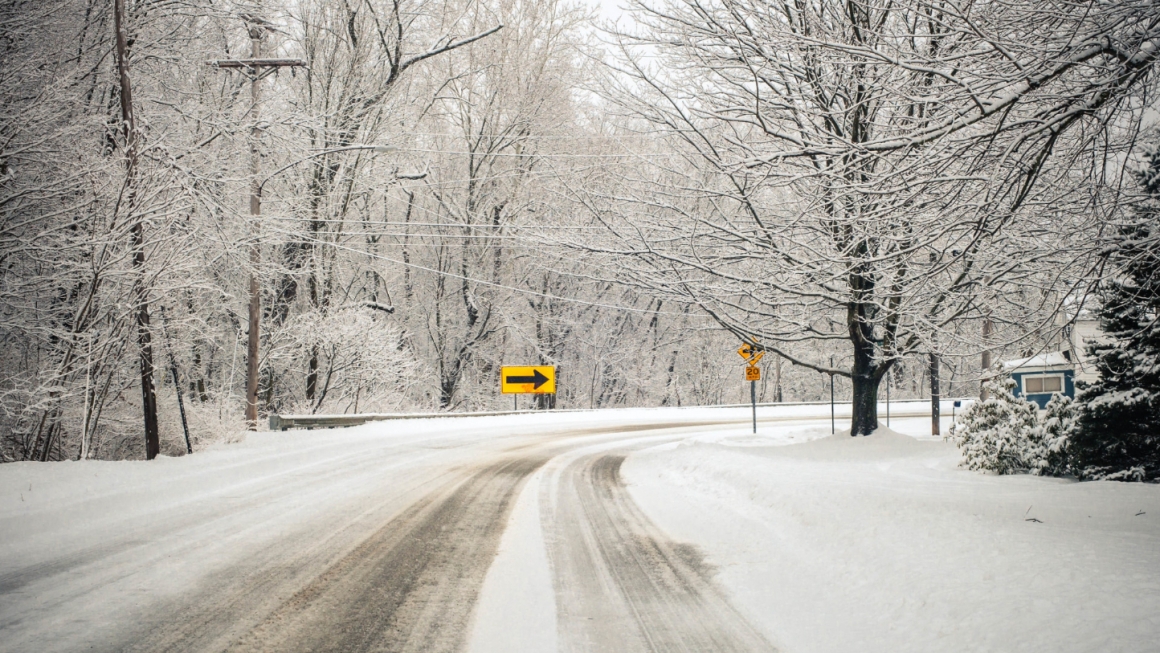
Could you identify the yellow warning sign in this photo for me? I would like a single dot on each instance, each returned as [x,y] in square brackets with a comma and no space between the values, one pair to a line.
[752,373]
[750,353]
[528,379]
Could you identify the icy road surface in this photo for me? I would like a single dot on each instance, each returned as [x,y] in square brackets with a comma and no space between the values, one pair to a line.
[637,530]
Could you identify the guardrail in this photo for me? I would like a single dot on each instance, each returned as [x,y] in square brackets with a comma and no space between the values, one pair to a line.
[284,422]
[309,422]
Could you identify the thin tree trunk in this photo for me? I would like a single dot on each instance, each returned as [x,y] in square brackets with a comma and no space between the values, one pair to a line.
[934,395]
[777,377]
[986,359]
[312,374]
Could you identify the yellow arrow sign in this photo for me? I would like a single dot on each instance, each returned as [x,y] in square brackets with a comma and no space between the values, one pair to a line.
[528,379]
[745,351]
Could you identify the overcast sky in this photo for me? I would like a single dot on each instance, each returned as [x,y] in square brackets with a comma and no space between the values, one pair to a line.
[609,9]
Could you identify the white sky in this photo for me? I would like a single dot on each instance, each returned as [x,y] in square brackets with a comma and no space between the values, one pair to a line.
[609,9]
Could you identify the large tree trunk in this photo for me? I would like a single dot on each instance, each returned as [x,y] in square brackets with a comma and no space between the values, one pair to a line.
[864,376]
[137,236]
[145,341]
[864,399]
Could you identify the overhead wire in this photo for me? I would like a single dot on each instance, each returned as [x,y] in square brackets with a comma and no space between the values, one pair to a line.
[543,156]
[525,291]
[455,225]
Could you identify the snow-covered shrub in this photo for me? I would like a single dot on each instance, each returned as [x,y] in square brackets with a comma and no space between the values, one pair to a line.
[1048,453]
[1001,434]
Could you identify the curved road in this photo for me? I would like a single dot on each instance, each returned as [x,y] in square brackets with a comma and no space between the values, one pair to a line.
[362,544]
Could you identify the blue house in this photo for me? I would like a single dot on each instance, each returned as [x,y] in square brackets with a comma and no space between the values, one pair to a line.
[1039,377]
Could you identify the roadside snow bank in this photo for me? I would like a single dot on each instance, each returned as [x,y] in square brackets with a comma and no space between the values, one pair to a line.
[884,544]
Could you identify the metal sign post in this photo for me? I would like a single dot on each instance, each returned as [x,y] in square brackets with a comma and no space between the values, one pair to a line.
[753,400]
[753,375]
[832,422]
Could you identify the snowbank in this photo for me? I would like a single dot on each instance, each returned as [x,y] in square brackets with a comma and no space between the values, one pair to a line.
[884,544]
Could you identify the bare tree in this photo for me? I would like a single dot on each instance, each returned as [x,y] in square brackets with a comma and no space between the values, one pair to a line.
[875,173]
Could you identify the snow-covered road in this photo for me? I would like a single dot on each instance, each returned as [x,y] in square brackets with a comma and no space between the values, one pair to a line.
[631,530]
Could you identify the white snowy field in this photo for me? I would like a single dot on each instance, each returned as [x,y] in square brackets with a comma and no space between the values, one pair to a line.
[822,543]
[884,544]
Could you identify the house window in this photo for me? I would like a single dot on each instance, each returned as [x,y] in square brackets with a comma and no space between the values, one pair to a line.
[1034,385]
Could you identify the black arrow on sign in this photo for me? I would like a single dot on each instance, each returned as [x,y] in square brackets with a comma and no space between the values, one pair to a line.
[536,378]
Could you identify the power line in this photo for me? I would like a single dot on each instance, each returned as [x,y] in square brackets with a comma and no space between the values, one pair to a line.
[542,156]
[501,286]
[439,224]
[426,235]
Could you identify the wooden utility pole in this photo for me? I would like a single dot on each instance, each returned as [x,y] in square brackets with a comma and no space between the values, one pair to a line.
[254,67]
[136,236]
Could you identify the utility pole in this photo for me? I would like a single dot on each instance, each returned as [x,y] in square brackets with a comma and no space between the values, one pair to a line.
[254,67]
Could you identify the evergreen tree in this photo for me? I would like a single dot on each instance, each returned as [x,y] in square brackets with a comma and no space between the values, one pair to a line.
[1117,430]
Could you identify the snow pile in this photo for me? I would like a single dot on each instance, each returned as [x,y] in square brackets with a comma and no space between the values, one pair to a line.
[884,544]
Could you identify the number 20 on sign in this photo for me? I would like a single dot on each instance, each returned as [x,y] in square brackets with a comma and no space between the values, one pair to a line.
[752,373]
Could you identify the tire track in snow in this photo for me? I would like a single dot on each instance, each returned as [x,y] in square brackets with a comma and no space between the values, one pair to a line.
[621,584]
[412,585]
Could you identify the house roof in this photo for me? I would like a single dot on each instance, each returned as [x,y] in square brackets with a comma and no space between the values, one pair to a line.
[1049,360]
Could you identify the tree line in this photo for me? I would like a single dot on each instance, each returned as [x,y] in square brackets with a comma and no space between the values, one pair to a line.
[446,186]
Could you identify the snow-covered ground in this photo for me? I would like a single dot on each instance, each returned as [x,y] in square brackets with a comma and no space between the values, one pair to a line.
[884,544]
[822,543]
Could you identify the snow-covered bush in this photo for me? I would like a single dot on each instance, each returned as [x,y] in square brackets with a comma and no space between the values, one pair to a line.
[1001,434]
[1048,453]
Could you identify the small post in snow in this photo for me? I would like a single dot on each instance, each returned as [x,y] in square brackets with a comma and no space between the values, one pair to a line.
[833,427]
[753,398]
